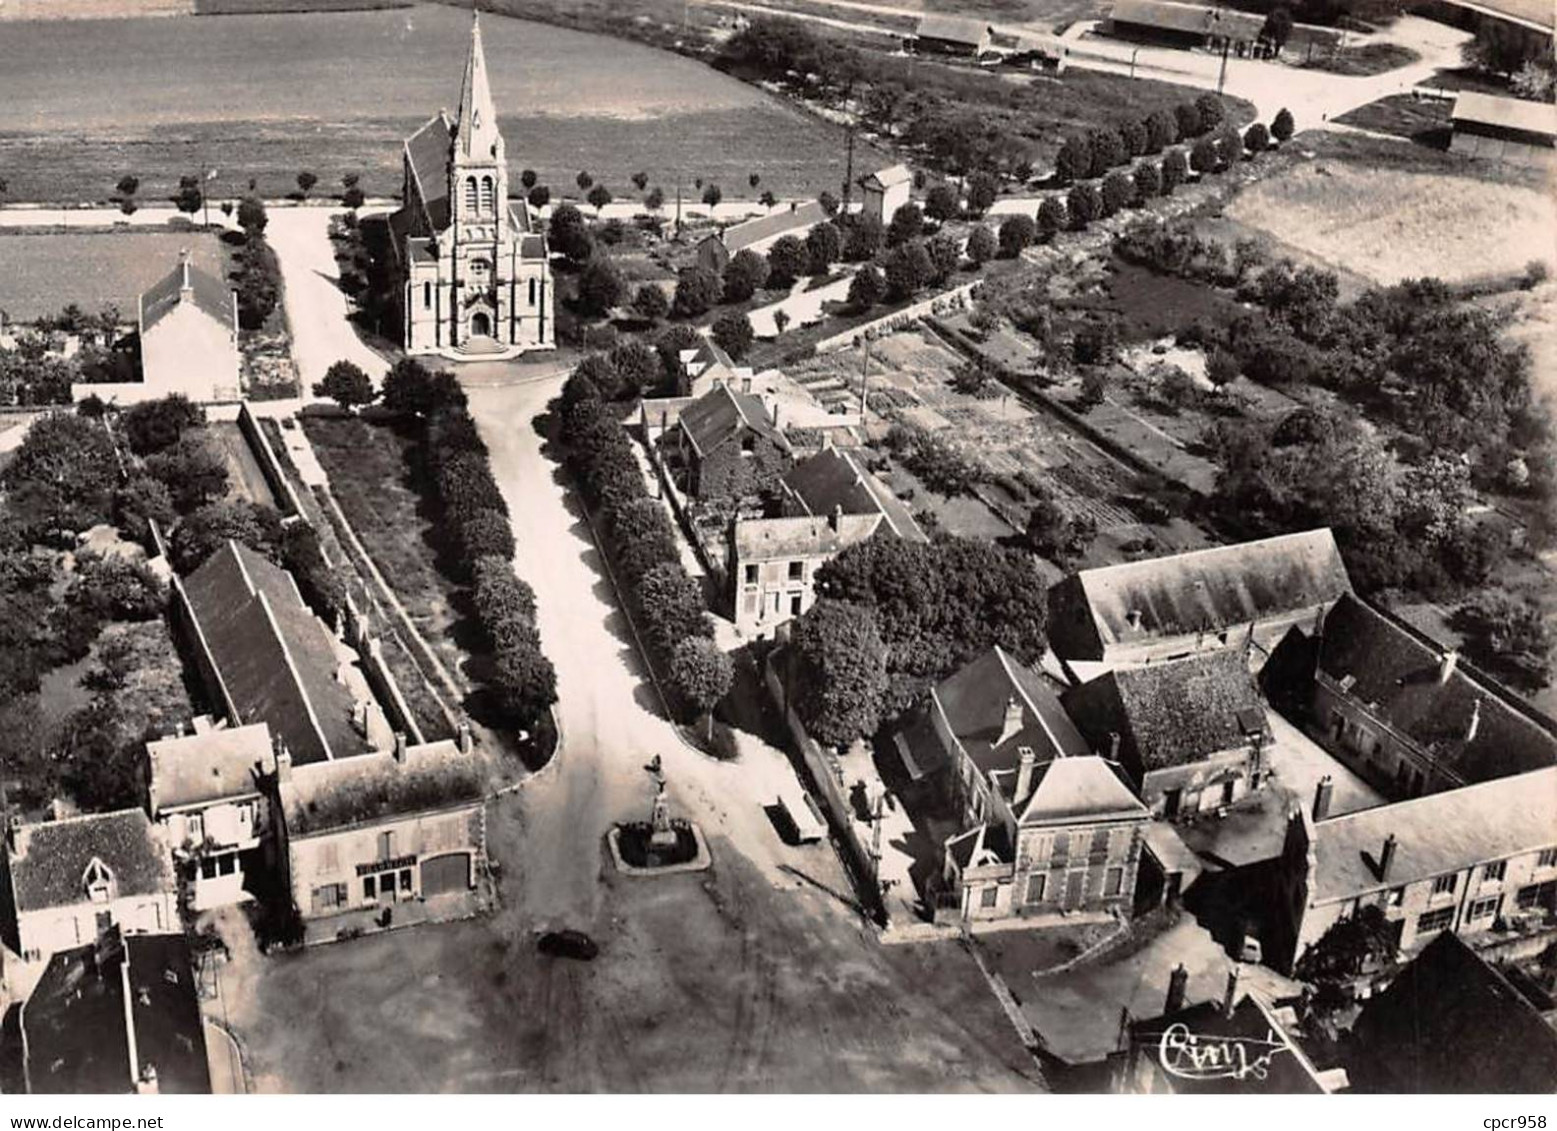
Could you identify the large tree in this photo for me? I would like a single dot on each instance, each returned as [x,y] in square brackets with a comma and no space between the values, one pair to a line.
[66,468]
[154,425]
[347,385]
[839,672]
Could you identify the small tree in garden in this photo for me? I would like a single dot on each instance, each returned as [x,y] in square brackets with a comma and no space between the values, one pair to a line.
[1222,368]
[743,275]
[1148,181]
[650,303]
[865,288]
[908,268]
[570,234]
[982,245]
[347,385]
[1094,344]
[767,199]
[1162,130]
[828,201]
[599,197]
[712,195]
[1118,192]
[1190,124]
[539,196]
[945,256]
[600,285]
[1051,216]
[907,224]
[1203,157]
[697,289]
[941,203]
[1211,113]
[702,675]
[780,321]
[654,199]
[1107,151]
[1016,234]
[1174,169]
[128,184]
[1074,160]
[306,182]
[1230,146]
[1256,139]
[983,188]
[1080,207]
[528,179]
[583,180]
[1282,125]
[788,259]
[252,217]
[734,334]
[1133,134]
[824,244]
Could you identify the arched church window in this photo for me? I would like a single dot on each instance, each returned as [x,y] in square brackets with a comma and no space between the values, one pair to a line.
[488,200]
[532,292]
[470,194]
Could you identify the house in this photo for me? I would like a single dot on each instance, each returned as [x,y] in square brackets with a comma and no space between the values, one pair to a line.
[1411,716]
[205,790]
[118,1015]
[473,266]
[1243,596]
[1479,861]
[406,826]
[729,441]
[1064,837]
[188,332]
[1515,130]
[1239,1045]
[1190,733]
[1450,1022]
[952,35]
[829,502]
[70,880]
[1185,25]
[794,219]
[887,190]
[265,658]
[706,365]
[973,725]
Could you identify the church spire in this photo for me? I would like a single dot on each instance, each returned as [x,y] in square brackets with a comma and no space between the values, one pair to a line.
[478,137]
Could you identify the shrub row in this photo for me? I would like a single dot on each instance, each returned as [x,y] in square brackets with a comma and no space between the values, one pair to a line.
[665,603]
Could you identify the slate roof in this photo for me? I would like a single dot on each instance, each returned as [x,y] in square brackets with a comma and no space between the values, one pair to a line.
[1451,1023]
[781,221]
[721,414]
[427,153]
[49,860]
[981,847]
[953,29]
[974,701]
[890,176]
[1535,14]
[1199,18]
[202,768]
[1436,834]
[802,536]
[334,795]
[1173,712]
[209,294]
[277,661]
[1520,114]
[1288,1071]
[1394,670]
[76,1019]
[833,478]
[1080,789]
[1203,590]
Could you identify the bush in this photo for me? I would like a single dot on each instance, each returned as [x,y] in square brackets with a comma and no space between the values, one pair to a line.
[983,188]
[866,288]
[1094,344]
[141,500]
[1162,130]
[824,244]
[744,275]
[1256,139]
[319,583]
[1204,158]
[347,385]
[1081,206]
[1108,150]
[259,283]
[115,588]
[733,333]
[192,471]
[1148,181]
[863,236]
[908,269]
[907,224]
[1211,111]
[945,256]
[151,426]
[1118,192]
[941,203]
[787,261]
[1174,170]
[1016,234]
[982,245]
[1051,216]
[212,526]
[650,303]
[1134,135]
[1074,160]
[1189,121]
[697,290]
[1281,126]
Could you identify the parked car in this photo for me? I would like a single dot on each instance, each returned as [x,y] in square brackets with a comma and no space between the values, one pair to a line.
[568,943]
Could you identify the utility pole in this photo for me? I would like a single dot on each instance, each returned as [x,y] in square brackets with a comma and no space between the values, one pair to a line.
[678,206]
[864,383]
[1221,77]
[848,168]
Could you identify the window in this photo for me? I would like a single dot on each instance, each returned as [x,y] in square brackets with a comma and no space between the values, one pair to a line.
[1099,844]
[1482,909]
[1494,872]
[1434,920]
[532,292]
[386,845]
[329,896]
[751,575]
[1061,847]
[1537,895]
[1035,887]
[751,604]
[797,571]
[488,198]
[427,295]
[405,879]
[1547,858]
[208,868]
[480,266]
[470,194]
[370,887]
[1113,883]
[794,605]
[329,858]
[1443,885]
[988,896]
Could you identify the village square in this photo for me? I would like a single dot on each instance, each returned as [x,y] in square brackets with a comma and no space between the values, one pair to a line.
[785,546]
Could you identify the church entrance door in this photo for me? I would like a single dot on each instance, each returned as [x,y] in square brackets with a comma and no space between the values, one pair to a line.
[480,325]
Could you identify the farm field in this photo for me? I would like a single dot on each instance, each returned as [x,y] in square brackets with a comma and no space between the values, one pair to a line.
[1388,224]
[46,270]
[264,96]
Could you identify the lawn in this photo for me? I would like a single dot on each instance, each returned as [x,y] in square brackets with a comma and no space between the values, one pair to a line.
[1369,59]
[46,270]
[263,96]
[1423,120]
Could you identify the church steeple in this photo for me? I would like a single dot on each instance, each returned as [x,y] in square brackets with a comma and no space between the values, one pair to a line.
[478,139]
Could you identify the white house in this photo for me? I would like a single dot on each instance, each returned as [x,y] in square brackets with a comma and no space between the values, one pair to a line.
[886,190]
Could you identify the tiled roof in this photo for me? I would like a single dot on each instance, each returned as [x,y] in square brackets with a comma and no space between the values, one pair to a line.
[1085,788]
[428,151]
[276,659]
[890,176]
[75,1021]
[781,221]
[207,767]
[769,539]
[974,702]
[374,787]
[208,293]
[833,478]
[953,29]
[1534,14]
[1451,1023]
[1394,670]
[981,847]
[1172,713]
[1198,18]
[1505,113]
[1204,590]
[722,414]
[1434,835]
[49,860]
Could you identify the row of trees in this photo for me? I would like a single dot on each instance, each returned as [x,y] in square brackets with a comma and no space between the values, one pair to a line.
[665,603]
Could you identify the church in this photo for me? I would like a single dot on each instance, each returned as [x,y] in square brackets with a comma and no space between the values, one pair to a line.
[475,281]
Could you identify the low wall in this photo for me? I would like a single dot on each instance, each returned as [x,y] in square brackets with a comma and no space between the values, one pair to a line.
[897,320]
[826,779]
[269,465]
[92,9]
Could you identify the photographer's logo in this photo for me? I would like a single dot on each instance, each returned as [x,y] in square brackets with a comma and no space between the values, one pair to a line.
[1192,1057]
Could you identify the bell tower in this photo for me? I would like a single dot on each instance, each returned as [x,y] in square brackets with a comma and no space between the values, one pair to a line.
[478,171]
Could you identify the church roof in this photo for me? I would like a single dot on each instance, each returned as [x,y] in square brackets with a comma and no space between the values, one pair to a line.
[477,134]
[186,283]
[427,156]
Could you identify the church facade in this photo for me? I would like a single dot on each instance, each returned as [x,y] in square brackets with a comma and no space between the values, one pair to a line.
[473,267]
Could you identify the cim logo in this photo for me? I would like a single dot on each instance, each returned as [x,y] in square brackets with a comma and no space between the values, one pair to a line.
[1189,1056]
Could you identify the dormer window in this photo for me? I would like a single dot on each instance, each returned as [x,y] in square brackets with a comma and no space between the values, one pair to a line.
[98,881]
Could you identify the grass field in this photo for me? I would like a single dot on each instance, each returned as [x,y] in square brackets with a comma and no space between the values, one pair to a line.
[1388,224]
[1422,120]
[44,271]
[264,96]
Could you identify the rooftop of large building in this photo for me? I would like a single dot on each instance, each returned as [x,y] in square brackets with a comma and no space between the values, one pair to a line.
[57,863]
[782,220]
[186,283]
[833,479]
[953,29]
[1475,108]
[1203,19]
[800,536]
[1068,791]
[204,767]
[721,415]
[326,796]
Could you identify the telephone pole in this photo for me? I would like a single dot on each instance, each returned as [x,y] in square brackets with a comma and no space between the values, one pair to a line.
[1221,77]
[864,384]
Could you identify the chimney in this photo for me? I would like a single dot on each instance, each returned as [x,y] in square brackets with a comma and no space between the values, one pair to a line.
[1233,977]
[1012,721]
[836,519]
[1178,989]
[147,1084]
[187,286]
[1446,665]
[1113,746]
[283,764]
[467,742]
[400,747]
[1387,857]
[1322,797]
[1024,773]
[746,381]
[1475,723]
